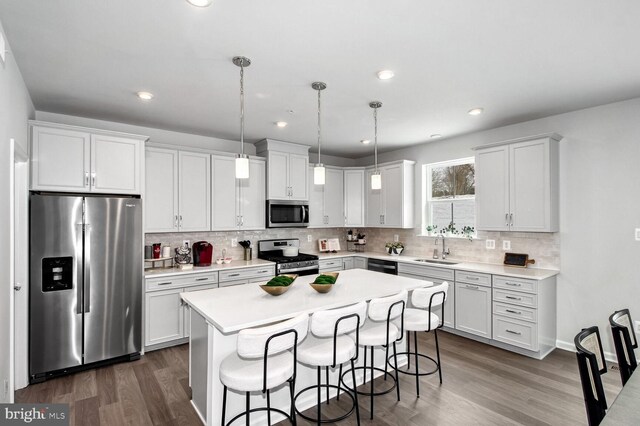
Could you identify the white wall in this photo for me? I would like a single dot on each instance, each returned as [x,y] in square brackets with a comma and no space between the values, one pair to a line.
[599,207]
[15,109]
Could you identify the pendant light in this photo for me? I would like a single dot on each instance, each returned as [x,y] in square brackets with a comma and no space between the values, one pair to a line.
[318,170]
[376,178]
[242,161]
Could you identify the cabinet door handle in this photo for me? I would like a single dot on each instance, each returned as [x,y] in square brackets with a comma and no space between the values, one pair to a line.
[202,279]
[165,283]
[93,180]
[472,278]
[180,221]
[517,333]
[263,272]
[511,218]
[473,287]
[513,284]
[513,298]
[513,312]
[233,275]
[506,218]
[86,178]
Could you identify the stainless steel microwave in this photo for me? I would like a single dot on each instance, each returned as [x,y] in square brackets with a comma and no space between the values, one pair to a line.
[287,214]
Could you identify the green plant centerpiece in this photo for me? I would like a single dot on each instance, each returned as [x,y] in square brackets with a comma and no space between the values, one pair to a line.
[394,248]
[324,282]
[279,285]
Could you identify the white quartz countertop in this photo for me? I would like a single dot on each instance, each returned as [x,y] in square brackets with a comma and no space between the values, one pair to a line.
[221,306]
[488,268]
[235,264]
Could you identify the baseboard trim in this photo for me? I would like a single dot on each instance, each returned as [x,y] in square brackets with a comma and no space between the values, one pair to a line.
[571,347]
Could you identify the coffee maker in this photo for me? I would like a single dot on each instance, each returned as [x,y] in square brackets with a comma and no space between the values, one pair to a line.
[202,253]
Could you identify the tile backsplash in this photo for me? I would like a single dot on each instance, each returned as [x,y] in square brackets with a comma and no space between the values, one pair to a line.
[543,247]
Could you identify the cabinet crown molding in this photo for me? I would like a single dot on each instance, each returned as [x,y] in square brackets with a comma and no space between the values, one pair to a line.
[281,146]
[36,123]
[553,136]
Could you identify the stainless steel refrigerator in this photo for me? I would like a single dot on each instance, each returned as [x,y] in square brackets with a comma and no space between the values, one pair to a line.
[85,281]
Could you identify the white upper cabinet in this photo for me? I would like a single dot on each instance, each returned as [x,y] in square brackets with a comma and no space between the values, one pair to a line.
[161,190]
[391,206]
[287,165]
[354,197]
[237,203]
[517,185]
[194,191]
[115,165]
[326,206]
[75,159]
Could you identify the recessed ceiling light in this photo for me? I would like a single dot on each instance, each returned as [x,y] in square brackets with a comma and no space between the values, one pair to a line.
[476,111]
[200,3]
[436,136]
[290,111]
[146,96]
[385,74]
[281,124]
[365,141]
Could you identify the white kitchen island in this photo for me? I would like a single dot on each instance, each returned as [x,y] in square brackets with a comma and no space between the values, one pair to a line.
[218,315]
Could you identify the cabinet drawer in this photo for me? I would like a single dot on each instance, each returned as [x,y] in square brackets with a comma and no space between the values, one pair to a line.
[518,284]
[518,312]
[246,273]
[443,274]
[473,278]
[331,263]
[188,280]
[232,283]
[508,296]
[515,332]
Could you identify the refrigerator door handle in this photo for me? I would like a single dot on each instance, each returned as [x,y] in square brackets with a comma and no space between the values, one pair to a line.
[79,269]
[87,269]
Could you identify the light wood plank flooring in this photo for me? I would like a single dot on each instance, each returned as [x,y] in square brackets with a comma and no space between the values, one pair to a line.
[482,385]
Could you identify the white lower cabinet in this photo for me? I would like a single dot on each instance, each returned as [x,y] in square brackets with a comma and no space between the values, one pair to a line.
[331,265]
[259,274]
[166,317]
[347,263]
[473,303]
[360,262]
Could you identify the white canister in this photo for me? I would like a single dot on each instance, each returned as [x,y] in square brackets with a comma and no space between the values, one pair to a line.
[166,251]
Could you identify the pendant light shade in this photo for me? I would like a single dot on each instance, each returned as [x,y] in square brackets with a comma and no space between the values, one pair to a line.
[242,161]
[376,178]
[318,169]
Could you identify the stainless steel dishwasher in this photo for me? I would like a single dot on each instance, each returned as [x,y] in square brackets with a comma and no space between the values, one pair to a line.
[384,266]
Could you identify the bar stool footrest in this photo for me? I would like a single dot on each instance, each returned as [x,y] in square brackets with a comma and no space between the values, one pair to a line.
[416,373]
[315,420]
[255,410]
[368,393]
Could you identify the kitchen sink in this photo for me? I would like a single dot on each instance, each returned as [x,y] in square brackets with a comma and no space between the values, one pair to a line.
[439,262]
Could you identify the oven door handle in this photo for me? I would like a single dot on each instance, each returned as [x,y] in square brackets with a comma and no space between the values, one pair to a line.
[306,268]
[377,265]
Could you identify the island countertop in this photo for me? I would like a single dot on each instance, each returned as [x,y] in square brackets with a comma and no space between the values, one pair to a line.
[231,309]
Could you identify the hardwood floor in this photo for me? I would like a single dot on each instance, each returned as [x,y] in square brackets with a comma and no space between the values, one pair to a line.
[482,385]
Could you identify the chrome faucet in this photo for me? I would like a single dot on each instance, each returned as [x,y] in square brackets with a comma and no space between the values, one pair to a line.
[445,252]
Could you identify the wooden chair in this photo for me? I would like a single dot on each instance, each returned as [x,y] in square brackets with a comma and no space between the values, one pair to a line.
[591,364]
[624,339]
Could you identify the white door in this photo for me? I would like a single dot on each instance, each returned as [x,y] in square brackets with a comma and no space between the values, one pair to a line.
[278,181]
[316,203]
[354,197]
[161,190]
[252,197]
[115,165]
[492,189]
[164,317]
[392,190]
[374,203]
[334,197]
[224,195]
[298,165]
[194,193]
[473,309]
[60,160]
[530,186]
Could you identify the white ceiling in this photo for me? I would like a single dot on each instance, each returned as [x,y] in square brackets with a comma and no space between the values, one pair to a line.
[519,60]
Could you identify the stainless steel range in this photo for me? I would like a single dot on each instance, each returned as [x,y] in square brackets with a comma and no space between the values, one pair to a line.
[296,263]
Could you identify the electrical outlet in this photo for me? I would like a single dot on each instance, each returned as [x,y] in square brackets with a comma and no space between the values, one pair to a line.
[637,234]
[234,242]
[186,243]
[309,239]
[506,245]
[637,324]
[490,244]
[396,238]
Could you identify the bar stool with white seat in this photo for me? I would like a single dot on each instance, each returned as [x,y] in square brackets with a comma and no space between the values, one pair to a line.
[329,345]
[262,362]
[422,318]
[383,328]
